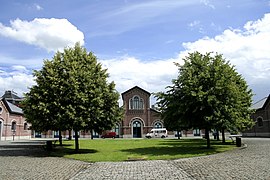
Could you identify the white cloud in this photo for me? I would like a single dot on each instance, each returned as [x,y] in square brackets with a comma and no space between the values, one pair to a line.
[16,81]
[247,48]
[126,72]
[153,76]
[38,7]
[50,34]
[19,68]
[197,25]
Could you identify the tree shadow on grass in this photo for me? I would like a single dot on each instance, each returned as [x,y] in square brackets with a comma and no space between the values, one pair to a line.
[193,142]
[62,151]
[177,149]
[171,151]
[181,142]
[30,149]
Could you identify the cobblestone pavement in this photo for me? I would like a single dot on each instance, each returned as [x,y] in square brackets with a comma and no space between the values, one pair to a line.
[29,161]
[252,162]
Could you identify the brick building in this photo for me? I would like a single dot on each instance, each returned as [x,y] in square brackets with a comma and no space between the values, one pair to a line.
[12,122]
[139,117]
[261,118]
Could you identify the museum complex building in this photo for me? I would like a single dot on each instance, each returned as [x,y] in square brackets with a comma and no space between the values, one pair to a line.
[139,118]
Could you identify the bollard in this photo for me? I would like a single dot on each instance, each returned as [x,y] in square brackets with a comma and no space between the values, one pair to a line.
[238,142]
[49,145]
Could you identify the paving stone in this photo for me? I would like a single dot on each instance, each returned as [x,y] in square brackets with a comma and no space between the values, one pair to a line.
[251,162]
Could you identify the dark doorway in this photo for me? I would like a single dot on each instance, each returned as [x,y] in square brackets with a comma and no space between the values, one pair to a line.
[137,129]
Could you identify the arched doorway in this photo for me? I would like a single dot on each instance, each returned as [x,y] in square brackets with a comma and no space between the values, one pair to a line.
[137,129]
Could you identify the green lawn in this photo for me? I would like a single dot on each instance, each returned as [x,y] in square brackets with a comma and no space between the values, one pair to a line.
[138,149]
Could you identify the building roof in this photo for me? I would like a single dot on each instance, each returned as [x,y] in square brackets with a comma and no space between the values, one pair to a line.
[136,87]
[261,103]
[12,108]
[11,95]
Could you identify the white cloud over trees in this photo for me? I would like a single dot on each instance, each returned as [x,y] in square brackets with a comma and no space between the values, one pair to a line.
[247,48]
[16,78]
[51,34]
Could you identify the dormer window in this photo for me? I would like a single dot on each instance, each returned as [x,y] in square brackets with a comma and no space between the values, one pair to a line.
[136,103]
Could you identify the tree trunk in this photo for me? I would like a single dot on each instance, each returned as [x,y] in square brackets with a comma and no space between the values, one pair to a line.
[76,141]
[207,137]
[223,135]
[218,135]
[178,134]
[69,135]
[91,133]
[60,138]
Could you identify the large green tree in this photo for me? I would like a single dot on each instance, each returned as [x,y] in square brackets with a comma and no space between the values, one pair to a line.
[72,92]
[207,94]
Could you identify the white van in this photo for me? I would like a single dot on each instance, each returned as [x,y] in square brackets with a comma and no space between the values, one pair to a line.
[157,133]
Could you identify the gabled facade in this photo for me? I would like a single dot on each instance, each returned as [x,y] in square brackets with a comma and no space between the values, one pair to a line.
[261,118]
[137,121]
[139,117]
[13,125]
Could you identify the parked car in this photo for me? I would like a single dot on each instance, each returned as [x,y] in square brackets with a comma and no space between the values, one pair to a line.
[109,135]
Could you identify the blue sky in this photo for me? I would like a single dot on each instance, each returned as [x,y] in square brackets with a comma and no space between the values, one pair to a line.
[137,40]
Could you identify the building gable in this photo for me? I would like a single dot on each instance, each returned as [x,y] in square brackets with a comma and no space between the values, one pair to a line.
[13,109]
[134,89]
[261,104]
[136,98]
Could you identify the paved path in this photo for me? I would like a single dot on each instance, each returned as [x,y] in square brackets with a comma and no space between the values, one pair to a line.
[252,162]
[25,160]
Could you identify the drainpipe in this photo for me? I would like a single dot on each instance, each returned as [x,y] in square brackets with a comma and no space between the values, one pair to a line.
[6,125]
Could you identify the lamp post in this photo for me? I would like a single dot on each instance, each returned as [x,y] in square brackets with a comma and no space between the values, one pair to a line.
[13,134]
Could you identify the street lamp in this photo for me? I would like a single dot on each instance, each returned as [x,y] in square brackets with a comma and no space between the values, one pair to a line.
[13,133]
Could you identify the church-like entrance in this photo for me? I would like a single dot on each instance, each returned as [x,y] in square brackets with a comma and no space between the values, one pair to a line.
[137,129]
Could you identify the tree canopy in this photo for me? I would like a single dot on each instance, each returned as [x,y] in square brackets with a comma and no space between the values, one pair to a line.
[207,94]
[72,92]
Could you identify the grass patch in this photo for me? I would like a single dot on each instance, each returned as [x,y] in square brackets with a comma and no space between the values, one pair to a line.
[138,149]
